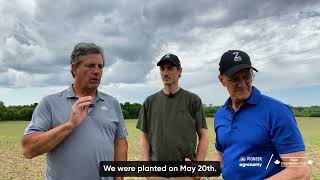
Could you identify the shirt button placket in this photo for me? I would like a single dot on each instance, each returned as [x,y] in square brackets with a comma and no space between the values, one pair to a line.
[233,120]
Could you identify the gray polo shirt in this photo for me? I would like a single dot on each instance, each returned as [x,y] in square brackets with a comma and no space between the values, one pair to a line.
[77,157]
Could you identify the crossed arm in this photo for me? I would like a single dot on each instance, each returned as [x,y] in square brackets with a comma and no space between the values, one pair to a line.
[41,142]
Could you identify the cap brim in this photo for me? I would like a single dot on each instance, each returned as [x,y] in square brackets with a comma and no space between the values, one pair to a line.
[237,68]
[158,64]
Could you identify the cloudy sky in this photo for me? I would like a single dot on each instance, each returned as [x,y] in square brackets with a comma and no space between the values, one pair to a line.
[281,37]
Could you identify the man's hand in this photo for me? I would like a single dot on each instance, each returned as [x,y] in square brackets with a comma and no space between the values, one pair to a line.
[79,111]
[195,178]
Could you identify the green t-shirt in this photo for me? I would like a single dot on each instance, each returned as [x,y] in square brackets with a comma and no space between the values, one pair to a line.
[172,124]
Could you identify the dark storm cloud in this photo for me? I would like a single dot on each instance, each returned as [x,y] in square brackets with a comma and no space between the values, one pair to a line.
[37,41]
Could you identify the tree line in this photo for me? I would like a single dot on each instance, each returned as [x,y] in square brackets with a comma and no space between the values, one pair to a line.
[130,111]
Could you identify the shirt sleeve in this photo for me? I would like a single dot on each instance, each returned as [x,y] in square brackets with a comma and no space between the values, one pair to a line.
[121,131]
[285,133]
[199,114]
[217,144]
[142,123]
[41,118]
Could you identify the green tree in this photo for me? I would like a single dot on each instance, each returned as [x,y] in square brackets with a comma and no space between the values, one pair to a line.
[2,111]
[130,111]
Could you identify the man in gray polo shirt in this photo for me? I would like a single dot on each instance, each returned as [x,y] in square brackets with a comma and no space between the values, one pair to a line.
[80,126]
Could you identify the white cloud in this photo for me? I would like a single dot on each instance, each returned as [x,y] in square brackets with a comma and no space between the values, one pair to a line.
[281,38]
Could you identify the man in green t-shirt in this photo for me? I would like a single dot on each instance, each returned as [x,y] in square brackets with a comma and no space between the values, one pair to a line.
[172,119]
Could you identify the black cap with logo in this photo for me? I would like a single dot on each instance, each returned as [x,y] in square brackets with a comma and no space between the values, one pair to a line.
[170,58]
[233,61]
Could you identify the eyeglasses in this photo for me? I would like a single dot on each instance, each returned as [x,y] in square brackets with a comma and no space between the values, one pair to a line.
[246,78]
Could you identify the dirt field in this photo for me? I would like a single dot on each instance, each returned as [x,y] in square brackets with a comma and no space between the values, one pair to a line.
[14,167]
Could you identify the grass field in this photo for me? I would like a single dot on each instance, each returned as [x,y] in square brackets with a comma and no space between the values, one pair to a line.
[14,167]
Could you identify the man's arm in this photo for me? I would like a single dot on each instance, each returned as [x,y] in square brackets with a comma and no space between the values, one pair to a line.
[219,157]
[120,152]
[203,144]
[120,149]
[41,142]
[145,147]
[292,173]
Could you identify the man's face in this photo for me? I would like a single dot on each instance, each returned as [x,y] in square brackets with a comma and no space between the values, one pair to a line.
[169,73]
[88,73]
[239,84]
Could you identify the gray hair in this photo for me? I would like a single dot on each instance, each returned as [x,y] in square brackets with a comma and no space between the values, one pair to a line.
[82,49]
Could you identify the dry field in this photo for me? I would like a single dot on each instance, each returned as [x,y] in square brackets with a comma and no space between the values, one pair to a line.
[14,167]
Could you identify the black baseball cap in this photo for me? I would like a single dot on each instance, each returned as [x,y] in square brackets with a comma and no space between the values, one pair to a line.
[170,58]
[233,61]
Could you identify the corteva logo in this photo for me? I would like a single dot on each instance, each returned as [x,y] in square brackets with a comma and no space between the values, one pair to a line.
[237,57]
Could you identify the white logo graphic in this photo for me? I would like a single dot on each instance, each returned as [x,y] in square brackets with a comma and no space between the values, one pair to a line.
[250,161]
[104,108]
[237,57]
[242,159]
[250,165]
[269,161]
[310,162]
[167,56]
[277,161]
